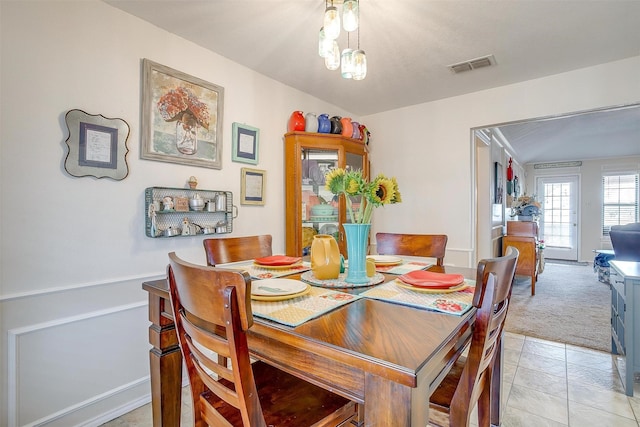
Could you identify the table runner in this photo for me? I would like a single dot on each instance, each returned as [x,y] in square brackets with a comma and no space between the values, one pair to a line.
[257,272]
[296,311]
[456,303]
[405,267]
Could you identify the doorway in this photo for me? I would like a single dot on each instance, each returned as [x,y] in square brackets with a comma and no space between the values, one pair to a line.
[559,220]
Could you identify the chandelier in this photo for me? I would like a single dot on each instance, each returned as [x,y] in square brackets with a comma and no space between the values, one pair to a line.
[352,63]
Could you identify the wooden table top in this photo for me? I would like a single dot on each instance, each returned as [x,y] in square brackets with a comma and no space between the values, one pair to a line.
[395,341]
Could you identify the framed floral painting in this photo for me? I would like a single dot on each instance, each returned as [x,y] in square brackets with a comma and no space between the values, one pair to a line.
[181,118]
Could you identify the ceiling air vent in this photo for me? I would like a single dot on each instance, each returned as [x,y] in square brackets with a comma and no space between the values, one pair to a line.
[472,64]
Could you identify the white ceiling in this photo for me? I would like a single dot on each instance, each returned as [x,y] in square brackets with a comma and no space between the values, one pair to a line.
[410,43]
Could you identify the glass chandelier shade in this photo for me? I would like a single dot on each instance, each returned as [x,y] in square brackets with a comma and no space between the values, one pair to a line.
[331,22]
[351,62]
[347,63]
[359,60]
[325,45]
[350,15]
[332,60]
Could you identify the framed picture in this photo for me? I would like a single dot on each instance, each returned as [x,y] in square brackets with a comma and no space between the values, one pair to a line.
[181,118]
[498,183]
[97,146]
[252,186]
[245,143]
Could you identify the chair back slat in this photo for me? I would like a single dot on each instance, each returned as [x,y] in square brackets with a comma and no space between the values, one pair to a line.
[422,245]
[233,249]
[493,290]
[212,307]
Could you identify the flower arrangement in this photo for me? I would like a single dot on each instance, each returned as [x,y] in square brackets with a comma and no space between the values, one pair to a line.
[380,191]
[182,104]
[522,202]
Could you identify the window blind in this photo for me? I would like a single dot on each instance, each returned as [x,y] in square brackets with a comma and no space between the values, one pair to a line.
[620,200]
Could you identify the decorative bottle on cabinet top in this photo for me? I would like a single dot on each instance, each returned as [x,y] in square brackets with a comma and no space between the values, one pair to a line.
[311,123]
[336,125]
[324,125]
[356,130]
[347,127]
[296,121]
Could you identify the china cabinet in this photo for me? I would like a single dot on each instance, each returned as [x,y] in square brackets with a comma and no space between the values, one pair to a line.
[625,318]
[310,208]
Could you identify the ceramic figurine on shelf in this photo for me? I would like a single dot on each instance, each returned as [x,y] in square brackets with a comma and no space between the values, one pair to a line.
[193,182]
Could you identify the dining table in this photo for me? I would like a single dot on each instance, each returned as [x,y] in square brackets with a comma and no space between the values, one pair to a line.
[386,356]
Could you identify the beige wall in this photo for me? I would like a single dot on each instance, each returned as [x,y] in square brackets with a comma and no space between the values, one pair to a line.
[590,197]
[429,147]
[73,250]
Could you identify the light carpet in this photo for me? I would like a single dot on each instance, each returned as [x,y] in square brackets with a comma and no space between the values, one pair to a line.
[570,306]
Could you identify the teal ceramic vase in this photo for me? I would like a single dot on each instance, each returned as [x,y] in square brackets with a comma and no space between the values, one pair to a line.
[357,243]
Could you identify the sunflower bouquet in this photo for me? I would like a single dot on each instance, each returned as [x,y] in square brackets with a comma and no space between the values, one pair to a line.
[352,183]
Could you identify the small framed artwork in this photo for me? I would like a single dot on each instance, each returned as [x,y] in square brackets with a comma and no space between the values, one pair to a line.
[245,143]
[181,118]
[97,146]
[252,186]
[498,183]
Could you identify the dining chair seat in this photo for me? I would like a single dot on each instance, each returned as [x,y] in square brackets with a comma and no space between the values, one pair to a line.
[212,312]
[421,245]
[233,249]
[469,380]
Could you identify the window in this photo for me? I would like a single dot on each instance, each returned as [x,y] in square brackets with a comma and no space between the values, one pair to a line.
[620,200]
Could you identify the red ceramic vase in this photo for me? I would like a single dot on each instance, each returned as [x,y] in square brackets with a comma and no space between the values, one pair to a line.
[296,121]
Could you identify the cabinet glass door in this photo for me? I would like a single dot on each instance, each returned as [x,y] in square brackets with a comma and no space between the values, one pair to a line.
[319,206]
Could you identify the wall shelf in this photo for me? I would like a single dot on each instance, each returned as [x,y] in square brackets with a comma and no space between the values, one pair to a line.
[159,220]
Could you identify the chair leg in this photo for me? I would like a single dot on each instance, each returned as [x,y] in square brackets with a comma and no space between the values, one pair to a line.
[533,284]
[484,401]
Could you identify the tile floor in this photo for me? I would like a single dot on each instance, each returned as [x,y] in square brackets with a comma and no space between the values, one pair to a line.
[545,384]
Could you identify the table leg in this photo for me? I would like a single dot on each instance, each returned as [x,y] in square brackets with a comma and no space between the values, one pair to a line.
[165,362]
[388,403]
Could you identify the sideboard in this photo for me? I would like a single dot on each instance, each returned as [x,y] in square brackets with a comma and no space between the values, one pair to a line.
[624,277]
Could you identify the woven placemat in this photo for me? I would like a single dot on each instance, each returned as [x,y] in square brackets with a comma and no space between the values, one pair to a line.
[456,303]
[295,311]
[308,277]
[257,272]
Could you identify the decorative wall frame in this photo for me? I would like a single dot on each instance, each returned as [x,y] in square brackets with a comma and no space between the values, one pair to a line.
[181,118]
[245,143]
[252,187]
[498,183]
[97,145]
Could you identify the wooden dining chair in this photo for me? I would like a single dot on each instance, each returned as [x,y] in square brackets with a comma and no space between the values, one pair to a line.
[423,245]
[212,307]
[232,249]
[469,380]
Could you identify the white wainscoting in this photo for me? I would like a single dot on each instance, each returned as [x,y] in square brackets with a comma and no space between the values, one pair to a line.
[71,367]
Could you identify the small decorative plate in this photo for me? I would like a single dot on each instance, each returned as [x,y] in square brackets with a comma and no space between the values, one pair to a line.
[457,288]
[385,259]
[277,260]
[277,287]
